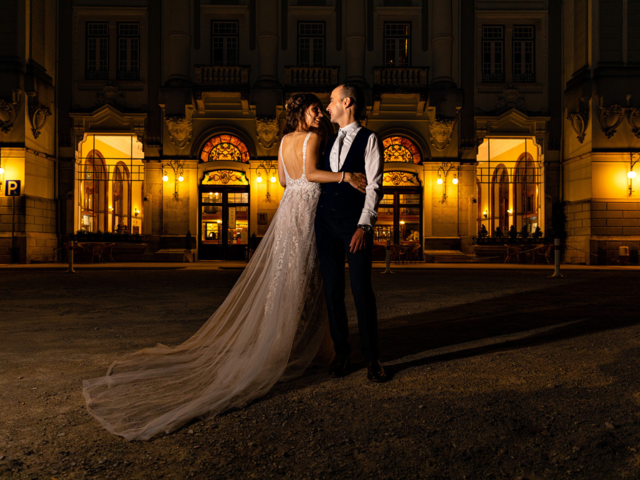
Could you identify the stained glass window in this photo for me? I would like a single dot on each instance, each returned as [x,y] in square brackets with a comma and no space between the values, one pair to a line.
[225,148]
[400,149]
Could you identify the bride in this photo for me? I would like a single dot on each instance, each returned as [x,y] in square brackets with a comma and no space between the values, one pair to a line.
[271,326]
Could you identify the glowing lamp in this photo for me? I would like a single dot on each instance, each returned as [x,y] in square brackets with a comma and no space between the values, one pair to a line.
[259,179]
[485,213]
[631,174]
[1,170]
[218,221]
[455,180]
[510,211]
[439,181]
[136,212]
[165,178]
[273,179]
[181,178]
[401,222]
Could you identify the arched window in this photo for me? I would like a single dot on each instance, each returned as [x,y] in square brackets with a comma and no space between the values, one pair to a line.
[120,196]
[225,148]
[94,198]
[527,184]
[400,149]
[500,209]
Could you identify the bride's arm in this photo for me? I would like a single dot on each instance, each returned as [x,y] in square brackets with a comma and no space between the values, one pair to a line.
[356,180]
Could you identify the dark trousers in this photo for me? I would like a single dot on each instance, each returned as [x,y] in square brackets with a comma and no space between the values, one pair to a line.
[333,236]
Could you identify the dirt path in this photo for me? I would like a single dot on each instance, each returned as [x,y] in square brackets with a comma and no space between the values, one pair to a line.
[502,374]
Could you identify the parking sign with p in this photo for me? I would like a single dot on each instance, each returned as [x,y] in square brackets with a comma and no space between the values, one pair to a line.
[12,188]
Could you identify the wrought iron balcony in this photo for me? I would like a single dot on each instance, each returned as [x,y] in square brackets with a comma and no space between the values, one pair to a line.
[400,77]
[220,75]
[311,76]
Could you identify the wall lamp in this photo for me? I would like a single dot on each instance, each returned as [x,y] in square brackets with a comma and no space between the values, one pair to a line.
[633,159]
[269,169]
[1,173]
[178,173]
[443,171]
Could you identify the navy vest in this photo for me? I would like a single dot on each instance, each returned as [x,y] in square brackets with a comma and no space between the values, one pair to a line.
[341,200]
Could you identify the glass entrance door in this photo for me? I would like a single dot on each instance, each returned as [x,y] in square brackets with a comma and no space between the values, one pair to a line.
[399,217]
[224,223]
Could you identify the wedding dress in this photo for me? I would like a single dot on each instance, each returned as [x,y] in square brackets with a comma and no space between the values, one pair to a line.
[269,329]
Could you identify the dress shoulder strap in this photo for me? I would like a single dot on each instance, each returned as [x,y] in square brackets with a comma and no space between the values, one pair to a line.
[304,154]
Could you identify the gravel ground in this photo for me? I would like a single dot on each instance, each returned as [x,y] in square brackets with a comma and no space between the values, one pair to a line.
[494,374]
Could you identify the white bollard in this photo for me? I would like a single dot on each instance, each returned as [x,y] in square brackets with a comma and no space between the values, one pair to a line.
[388,269]
[71,270]
[556,248]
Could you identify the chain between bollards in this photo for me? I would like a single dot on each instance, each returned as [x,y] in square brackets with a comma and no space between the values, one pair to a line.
[556,248]
[388,269]
[71,270]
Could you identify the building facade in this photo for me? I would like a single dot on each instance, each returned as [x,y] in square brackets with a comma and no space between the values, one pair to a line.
[164,117]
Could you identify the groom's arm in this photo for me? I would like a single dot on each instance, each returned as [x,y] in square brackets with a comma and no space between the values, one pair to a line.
[374,167]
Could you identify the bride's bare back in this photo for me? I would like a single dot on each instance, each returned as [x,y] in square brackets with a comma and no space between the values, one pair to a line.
[292,145]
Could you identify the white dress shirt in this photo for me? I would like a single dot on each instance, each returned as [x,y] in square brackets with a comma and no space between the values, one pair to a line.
[373,164]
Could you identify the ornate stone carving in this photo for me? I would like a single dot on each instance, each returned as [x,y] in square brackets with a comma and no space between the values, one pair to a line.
[180,129]
[633,117]
[9,112]
[611,118]
[400,179]
[510,99]
[268,131]
[579,122]
[110,95]
[38,116]
[225,177]
[440,131]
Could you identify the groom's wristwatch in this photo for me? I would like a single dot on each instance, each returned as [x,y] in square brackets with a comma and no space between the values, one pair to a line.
[366,228]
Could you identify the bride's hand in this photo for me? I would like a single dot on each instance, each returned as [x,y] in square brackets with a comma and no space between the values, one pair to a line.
[356,180]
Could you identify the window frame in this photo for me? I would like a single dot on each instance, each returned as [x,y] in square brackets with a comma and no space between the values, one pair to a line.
[384,44]
[96,74]
[324,43]
[225,61]
[492,77]
[126,74]
[533,54]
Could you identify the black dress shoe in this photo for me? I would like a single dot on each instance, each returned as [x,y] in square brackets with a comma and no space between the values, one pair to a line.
[340,366]
[375,372]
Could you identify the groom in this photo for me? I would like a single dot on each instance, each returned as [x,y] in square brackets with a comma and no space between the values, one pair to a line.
[344,225]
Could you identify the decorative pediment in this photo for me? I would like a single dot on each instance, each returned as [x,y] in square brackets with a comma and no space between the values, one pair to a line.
[107,119]
[511,122]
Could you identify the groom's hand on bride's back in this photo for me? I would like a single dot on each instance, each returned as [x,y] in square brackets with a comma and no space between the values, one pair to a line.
[357,181]
[358,241]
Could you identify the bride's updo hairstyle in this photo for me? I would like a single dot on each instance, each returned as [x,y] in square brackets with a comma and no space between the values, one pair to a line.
[296,107]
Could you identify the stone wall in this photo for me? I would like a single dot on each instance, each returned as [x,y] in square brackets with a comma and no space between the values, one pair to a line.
[35,229]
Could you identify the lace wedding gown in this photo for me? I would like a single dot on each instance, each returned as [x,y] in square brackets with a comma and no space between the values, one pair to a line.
[270,328]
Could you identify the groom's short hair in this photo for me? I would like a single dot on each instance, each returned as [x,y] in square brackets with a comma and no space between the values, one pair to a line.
[355,93]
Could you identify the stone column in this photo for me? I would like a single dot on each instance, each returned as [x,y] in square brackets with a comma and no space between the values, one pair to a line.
[355,40]
[267,91]
[177,23]
[442,43]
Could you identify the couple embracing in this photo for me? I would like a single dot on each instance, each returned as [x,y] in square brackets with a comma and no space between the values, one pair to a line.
[273,324]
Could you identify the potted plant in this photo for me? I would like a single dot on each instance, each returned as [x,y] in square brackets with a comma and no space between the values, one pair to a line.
[537,234]
[524,233]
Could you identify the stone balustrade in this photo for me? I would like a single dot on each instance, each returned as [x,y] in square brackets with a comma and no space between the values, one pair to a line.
[221,75]
[400,76]
[311,76]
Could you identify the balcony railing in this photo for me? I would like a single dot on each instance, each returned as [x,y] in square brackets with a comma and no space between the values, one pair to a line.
[221,75]
[311,76]
[400,77]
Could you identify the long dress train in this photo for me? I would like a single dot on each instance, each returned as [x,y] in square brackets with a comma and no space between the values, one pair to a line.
[269,329]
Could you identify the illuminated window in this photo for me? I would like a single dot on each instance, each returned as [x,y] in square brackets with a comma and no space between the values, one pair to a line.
[397,43]
[310,44]
[225,148]
[400,149]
